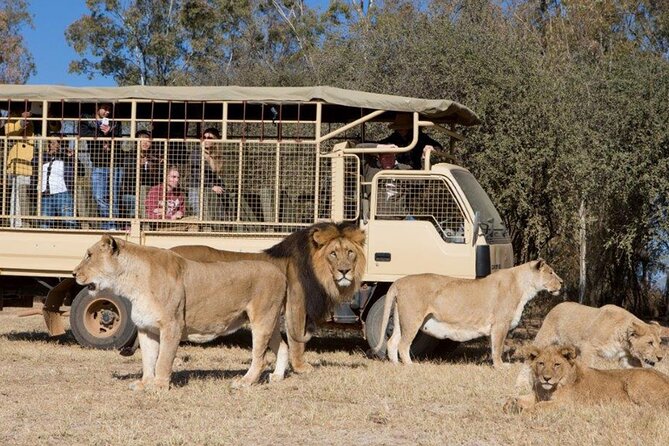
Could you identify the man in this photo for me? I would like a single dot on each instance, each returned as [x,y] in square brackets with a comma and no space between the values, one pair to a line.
[102,129]
[150,172]
[403,134]
[213,190]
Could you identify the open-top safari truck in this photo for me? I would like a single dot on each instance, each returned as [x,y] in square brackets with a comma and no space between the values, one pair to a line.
[286,158]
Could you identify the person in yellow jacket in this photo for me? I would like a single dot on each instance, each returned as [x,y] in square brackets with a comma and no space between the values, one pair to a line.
[20,130]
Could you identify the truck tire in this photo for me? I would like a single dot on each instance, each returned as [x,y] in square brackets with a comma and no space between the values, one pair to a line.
[102,321]
[421,346]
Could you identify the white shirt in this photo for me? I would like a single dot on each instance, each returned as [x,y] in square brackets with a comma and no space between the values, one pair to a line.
[56,177]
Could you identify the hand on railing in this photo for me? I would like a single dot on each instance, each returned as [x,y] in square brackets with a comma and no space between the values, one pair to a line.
[427,152]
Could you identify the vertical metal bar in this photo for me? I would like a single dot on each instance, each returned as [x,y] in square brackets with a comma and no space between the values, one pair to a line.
[277,177]
[185,123]
[138,155]
[75,195]
[244,122]
[225,121]
[239,180]
[297,126]
[280,126]
[262,122]
[200,191]
[112,165]
[317,178]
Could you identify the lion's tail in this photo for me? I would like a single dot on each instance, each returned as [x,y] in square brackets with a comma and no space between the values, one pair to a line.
[391,299]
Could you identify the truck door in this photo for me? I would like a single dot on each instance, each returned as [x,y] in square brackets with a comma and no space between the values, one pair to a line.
[417,224]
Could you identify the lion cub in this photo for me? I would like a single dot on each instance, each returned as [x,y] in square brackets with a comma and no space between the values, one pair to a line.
[174,299]
[463,309]
[558,378]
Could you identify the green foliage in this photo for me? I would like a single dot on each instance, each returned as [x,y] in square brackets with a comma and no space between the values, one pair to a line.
[135,42]
[16,62]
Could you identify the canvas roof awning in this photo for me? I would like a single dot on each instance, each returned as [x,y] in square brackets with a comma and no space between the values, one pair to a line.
[438,110]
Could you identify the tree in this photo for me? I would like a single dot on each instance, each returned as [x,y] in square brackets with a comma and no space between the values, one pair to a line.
[135,42]
[16,62]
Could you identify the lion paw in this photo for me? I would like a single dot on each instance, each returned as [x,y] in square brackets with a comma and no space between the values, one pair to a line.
[303,368]
[137,386]
[276,377]
[161,384]
[240,383]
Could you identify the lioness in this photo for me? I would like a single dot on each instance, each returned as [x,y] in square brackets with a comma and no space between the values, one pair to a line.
[558,378]
[323,263]
[174,298]
[609,332]
[463,309]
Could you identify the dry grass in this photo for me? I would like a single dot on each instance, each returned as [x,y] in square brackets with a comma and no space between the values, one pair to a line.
[53,392]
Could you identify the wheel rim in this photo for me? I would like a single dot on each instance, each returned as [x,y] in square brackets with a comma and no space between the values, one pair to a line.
[102,318]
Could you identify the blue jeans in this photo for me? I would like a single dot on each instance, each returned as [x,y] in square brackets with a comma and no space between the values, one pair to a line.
[58,205]
[100,186]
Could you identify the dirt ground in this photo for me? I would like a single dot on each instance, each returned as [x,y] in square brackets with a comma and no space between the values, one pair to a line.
[53,392]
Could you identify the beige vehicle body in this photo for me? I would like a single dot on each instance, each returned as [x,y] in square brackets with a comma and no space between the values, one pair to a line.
[287,158]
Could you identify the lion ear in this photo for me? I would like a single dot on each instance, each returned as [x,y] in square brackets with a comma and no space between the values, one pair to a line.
[321,236]
[540,263]
[570,352]
[529,352]
[356,235]
[636,329]
[110,243]
[662,332]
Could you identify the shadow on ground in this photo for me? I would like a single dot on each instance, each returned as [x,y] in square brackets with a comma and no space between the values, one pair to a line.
[40,336]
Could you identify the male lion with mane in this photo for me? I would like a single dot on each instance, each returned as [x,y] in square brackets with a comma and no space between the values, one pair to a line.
[175,299]
[559,378]
[462,309]
[323,263]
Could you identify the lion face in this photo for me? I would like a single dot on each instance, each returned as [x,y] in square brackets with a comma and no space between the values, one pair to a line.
[339,260]
[645,343]
[98,264]
[551,366]
[548,280]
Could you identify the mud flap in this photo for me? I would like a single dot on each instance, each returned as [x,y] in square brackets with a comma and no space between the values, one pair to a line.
[53,317]
[54,322]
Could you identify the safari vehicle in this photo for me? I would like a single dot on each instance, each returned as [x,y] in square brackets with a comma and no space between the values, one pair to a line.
[286,158]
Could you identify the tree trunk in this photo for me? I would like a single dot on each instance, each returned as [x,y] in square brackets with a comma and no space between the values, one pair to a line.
[583,265]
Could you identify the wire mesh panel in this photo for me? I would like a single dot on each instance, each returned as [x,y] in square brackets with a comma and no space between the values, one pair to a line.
[399,198]
[351,187]
[350,176]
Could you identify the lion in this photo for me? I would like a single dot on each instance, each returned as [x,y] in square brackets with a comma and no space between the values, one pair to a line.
[609,332]
[559,377]
[175,299]
[463,309]
[324,265]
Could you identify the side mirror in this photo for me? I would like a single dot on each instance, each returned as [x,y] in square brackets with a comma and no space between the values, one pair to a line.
[475,229]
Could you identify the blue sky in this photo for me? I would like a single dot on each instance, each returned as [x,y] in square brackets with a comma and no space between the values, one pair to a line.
[47,43]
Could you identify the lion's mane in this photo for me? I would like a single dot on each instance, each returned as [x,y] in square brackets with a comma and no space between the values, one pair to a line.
[306,250]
